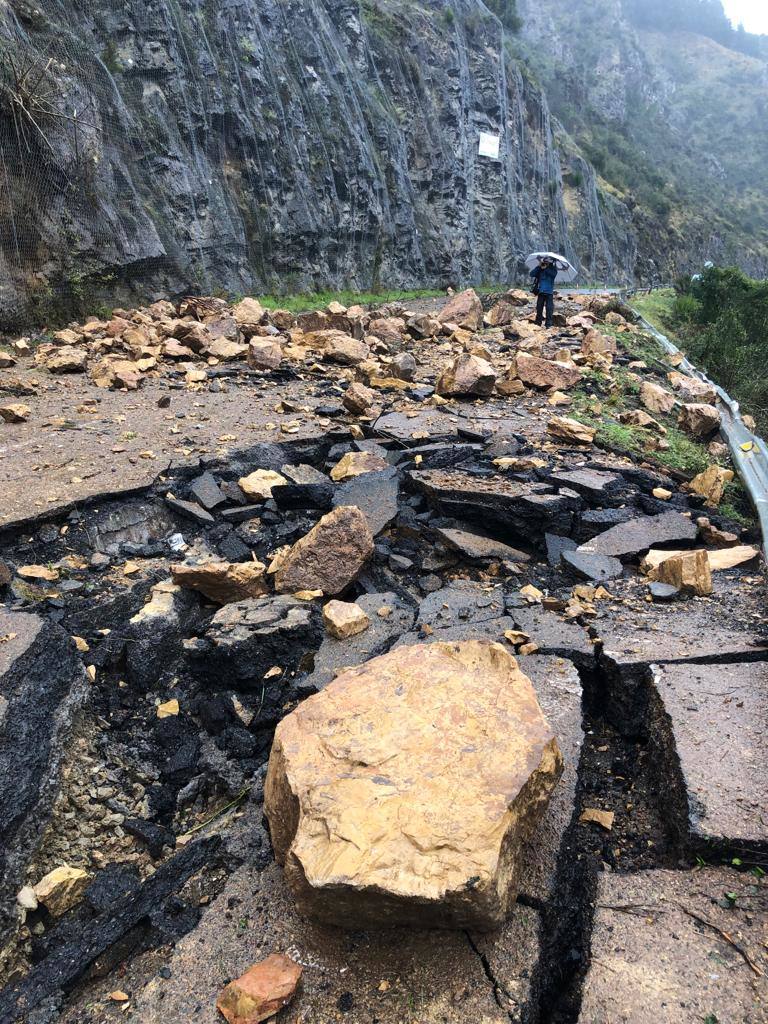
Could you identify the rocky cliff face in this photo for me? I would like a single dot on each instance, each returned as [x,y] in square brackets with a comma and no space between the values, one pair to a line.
[178,145]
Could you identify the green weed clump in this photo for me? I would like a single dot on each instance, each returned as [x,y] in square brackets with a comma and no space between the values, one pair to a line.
[317,300]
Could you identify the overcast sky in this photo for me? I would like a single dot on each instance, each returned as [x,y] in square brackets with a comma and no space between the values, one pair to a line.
[753,13]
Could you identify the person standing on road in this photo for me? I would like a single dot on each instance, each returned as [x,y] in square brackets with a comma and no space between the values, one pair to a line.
[544,289]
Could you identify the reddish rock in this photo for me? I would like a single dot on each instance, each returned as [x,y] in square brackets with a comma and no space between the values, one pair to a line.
[465,310]
[261,992]
[544,373]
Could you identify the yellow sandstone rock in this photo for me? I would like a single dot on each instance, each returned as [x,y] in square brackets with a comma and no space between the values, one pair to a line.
[61,889]
[689,572]
[343,619]
[566,429]
[355,464]
[711,484]
[402,793]
[223,582]
[257,486]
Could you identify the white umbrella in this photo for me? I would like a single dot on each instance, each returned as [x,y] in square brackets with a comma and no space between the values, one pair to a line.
[565,269]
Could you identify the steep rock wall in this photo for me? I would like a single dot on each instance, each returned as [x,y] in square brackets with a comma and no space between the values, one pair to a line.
[164,146]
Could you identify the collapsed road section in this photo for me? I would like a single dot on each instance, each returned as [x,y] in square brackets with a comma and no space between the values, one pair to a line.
[455,477]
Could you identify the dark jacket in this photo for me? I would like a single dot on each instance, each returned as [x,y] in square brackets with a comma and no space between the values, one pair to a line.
[546,276]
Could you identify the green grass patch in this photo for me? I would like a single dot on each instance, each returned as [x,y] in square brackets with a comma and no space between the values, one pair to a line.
[317,300]
[656,307]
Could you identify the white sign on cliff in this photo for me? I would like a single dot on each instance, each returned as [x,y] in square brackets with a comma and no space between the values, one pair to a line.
[489,145]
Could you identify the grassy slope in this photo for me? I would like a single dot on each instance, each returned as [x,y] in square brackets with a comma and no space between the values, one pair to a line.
[601,397]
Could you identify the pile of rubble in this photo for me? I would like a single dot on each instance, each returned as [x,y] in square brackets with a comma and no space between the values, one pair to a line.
[385,638]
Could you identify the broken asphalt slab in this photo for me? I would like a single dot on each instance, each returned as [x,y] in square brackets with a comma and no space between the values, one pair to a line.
[42,686]
[676,635]
[669,947]
[708,731]
[640,534]
[361,976]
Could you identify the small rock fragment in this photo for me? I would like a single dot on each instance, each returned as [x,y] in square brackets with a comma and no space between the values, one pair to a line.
[61,889]
[261,992]
[343,619]
[169,709]
[257,486]
[15,412]
[223,582]
[356,463]
[602,818]
[566,429]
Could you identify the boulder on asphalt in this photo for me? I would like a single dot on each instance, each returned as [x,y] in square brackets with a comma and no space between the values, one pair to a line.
[545,373]
[61,889]
[699,420]
[688,572]
[358,399]
[566,429]
[467,375]
[403,792]
[116,373]
[248,314]
[67,359]
[223,582]
[15,412]
[711,484]
[343,619]
[339,347]
[403,366]
[464,309]
[718,560]
[389,330]
[257,486]
[502,312]
[226,349]
[329,557]
[356,464]
[264,354]
[655,398]
[261,992]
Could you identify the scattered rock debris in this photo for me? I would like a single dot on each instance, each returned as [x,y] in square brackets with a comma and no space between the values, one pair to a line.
[316,496]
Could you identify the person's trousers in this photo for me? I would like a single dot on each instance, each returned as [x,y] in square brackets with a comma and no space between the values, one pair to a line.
[543,300]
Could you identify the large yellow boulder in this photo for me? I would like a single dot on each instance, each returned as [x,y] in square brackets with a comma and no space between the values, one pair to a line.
[403,792]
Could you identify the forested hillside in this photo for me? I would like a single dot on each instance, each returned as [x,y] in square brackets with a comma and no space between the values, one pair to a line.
[668,102]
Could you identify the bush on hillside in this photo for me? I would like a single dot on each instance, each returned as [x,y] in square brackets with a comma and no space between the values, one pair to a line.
[722,317]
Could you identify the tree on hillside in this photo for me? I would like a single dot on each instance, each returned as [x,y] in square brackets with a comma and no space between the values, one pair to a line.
[706,17]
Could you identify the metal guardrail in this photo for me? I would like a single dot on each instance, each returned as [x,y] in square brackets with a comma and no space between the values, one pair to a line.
[749,452]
